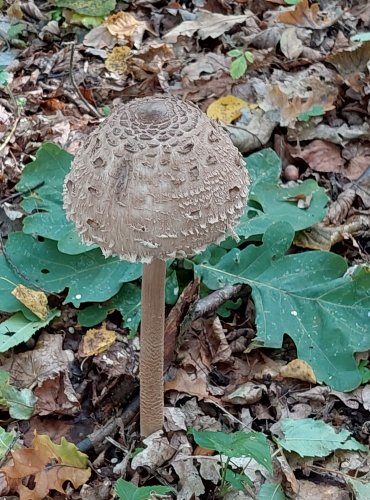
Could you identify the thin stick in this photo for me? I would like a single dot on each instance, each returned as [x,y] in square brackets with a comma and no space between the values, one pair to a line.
[91,108]
[152,347]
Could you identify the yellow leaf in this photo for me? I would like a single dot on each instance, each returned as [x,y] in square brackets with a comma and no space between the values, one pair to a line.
[300,370]
[227,109]
[36,302]
[117,60]
[96,340]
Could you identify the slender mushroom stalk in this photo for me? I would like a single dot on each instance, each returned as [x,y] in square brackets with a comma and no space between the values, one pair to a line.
[152,347]
[156,180]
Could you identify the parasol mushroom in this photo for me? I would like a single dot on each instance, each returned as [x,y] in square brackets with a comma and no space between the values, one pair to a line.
[156,180]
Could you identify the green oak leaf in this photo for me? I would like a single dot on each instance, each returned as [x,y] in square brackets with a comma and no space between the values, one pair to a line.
[42,182]
[90,277]
[309,296]
[271,202]
[315,438]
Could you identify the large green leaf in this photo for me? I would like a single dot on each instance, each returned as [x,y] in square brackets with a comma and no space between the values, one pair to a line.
[127,302]
[90,277]
[7,441]
[271,202]
[129,491]
[18,329]
[42,182]
[271,491]
[88,7]
[237,444]
[315,438]
[308,296]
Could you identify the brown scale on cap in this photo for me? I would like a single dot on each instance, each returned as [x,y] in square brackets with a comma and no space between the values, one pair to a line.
[157,179]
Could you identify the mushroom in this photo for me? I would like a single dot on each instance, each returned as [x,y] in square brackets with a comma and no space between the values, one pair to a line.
[156,180]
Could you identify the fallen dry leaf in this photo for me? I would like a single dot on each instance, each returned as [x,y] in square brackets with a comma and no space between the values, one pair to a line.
[291,46]
[125,26]
[207,24]
[351,63]
[228,109]
[299,370]
[35,301]
[51,465]
[321,156]
[96,341]
[158,451]
[116,60]
[306,16]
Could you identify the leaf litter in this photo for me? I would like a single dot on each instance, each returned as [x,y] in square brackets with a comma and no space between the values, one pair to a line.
[305,86]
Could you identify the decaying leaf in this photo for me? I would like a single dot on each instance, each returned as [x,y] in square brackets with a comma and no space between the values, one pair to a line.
[322,156]
[35,301]
[291,46]
[207,24]
[228,108]
[96,340]
[300,370]
[351,63]
[125,26]
[50,465]
[306,16]
[116,60]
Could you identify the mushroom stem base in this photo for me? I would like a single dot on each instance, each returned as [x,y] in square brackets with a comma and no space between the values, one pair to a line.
[152,347]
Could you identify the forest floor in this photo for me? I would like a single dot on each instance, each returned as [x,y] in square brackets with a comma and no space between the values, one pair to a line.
[288,75]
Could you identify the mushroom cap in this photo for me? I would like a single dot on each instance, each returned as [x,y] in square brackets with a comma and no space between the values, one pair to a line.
[157,179]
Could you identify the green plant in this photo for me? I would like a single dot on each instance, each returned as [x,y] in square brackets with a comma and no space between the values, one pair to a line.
[231,446]
[289,289]
[128,491]
[239,65]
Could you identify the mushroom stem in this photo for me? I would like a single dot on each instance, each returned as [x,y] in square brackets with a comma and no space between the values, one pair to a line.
[152,347]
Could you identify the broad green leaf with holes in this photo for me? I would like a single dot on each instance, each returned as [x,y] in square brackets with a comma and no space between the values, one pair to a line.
[89,277]
[18,329]
[127,302]
[271,202]
[309,296]
[237,444]
[42,185]
[315,438]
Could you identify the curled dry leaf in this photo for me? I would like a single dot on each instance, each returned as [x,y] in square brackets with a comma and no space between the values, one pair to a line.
[35,301]
[158,451]
[351,63]
[248,393]
[339,209]
[306,16]
[125,26]
[299,370]
[96,341]
[322,237]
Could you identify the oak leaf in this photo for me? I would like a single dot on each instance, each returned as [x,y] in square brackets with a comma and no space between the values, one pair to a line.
[50,464]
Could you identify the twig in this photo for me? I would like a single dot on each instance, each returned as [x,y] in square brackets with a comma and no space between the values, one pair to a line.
[15,124]
[91,108]
[20,193]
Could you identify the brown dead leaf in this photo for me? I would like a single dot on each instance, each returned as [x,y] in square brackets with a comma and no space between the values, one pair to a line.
[299,370]
[207,24]
[246,394]
[306,16]
[56,396]
[96,341]
[309,490]
[158,451]
[322,237]
[191,384]
[321,156]
[125,26]
[116,60]
[51,465]
[228,108]
[351,63]
[35,301]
